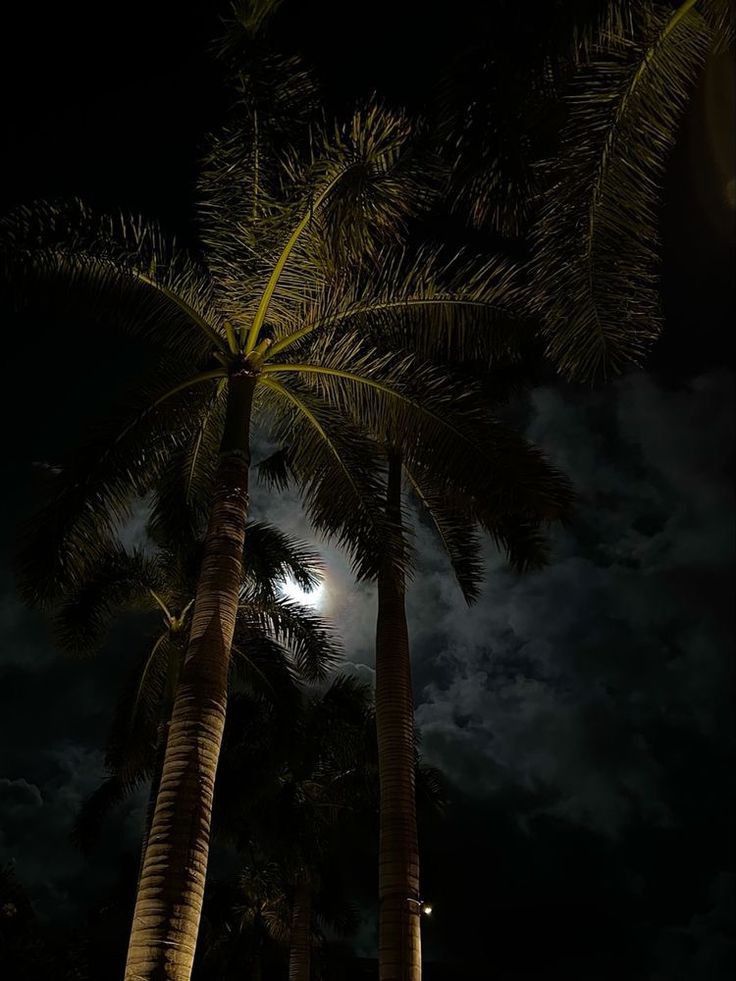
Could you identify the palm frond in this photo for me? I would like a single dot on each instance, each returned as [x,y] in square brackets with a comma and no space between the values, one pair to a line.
[307,636]
[96,808]
[471,468]
[455,307]
[262,666]
[270,558]
[601,23]
[522,538]
[517,525]
[612,22]
[147,703]
[357,192]
[348,704]
[377,183]
[118,268]
[273,470]
[431,788]
[136,740]
[455,526]
[249,16]
[277,229]
[338,472]
[721,18]
[242,209]
[93,494]
[490,143]
[336,914]
[433,416]
[119,580]
[596,266]
[130,756]
[180,501]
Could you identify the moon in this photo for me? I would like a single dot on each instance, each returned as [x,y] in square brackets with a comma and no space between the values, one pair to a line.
[293,591]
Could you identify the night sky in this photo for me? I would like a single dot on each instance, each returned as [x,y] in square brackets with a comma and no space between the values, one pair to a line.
[583,715]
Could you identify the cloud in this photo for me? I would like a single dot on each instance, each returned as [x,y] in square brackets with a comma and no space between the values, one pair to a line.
[24,636]
[36,828]
[18,800]
[705,947]
[37,821]
[553,680]
[54,716]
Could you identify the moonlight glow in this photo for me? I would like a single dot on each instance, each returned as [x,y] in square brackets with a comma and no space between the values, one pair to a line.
[294,591]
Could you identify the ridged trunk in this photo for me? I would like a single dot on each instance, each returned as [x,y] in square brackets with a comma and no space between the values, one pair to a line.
[171,888]
[300,940]
[162,734]
[399,941]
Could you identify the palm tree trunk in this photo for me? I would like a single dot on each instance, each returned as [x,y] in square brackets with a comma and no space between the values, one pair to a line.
[171,889]
[300,942]
[162,734]
[399,941]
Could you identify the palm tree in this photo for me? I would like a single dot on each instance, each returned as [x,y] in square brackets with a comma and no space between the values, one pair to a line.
[326,789]
[455,518]
[245,924]
[523,496]
[601,306]
[276,641]
[586,183]
[305,781]
[274,318]
[270,328]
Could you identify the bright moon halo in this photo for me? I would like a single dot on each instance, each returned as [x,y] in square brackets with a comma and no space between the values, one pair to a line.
[293,591]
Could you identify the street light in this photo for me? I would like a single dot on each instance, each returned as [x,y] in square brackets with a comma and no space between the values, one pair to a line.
[423,907]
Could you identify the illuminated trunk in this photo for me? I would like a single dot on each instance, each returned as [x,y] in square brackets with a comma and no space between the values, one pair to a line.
[300,940]
[399,942]
[171,888]
[162,733]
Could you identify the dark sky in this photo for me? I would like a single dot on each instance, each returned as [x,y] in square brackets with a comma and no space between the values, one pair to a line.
[583,714]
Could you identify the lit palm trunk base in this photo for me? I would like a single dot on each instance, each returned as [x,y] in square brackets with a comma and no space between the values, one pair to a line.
[162,736]
[171,888]
[399,940]
[300,944]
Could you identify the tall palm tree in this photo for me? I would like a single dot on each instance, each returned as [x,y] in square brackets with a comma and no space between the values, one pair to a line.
[514,503]
[518,531]
[268,327]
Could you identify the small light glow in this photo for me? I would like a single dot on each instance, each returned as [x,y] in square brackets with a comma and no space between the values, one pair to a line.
[427,910]
[293,591]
